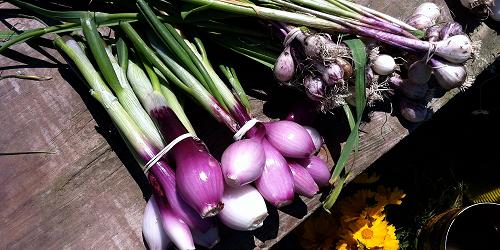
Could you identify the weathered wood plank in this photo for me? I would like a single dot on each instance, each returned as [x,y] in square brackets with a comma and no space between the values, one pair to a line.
[88,196]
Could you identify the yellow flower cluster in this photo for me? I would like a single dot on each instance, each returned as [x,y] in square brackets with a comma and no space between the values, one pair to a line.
[358,222]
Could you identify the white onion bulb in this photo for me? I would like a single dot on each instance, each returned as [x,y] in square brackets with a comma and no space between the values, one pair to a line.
[244,208]
[152,228]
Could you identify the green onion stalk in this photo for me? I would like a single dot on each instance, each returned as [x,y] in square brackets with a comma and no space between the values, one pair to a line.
[259,157]
[199,178]
[321,17]
[161,176]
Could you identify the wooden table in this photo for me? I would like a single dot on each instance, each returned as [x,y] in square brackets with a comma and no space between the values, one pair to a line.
[90,193]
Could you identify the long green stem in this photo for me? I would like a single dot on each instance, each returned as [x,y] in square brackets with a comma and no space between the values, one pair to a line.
[117,80]
[165,89]
[376,13]
[182,51]
[269,14]
[103,94]
[74,16]
[195,89]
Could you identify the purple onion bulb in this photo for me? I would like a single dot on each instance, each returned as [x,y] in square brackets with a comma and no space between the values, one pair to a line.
[331,74]
[290,139]
[318,169]
[432,33]
[408,89]
[316,137]
[243,162]
[174,227]
[152,228]
[276,182]
[303,182]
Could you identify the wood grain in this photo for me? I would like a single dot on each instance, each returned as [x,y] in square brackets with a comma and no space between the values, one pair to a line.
[90,194]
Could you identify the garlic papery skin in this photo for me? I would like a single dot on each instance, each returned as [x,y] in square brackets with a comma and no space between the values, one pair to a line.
[284,68]
[449,75]
[428,9]
[421,22]
[455,49]
[314,88]
[384,64]
[244,208]
[152,228]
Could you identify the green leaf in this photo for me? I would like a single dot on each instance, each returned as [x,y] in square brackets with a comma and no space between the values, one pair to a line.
[360,58]
[74,16]
[96,45]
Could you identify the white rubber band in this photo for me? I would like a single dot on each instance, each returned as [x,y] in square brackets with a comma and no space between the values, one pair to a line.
[165,150]
[244,129]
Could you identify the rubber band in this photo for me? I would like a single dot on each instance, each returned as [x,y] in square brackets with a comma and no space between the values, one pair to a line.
[244,129]
[165,150]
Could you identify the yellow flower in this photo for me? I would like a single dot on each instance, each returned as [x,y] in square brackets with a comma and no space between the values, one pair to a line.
[318,232]
[391,242]
[351,207]
[365,178]
[386,196]
[373,235]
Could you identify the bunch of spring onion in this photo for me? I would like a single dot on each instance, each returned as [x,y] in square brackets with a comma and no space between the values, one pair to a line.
[194,190]
[270,152]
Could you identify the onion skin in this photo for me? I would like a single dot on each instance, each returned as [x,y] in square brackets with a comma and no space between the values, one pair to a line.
[290,139]
[198,174]
[276,182]
[317,45]
[162,179]
[346,67]
[174,227]
[152,228]
[303,182]
[316,137]
[244,210]
[318,169]
[284,68]
[243,162]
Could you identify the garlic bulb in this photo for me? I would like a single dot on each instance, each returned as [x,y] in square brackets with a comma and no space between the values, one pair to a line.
[384,64]
[428,9]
